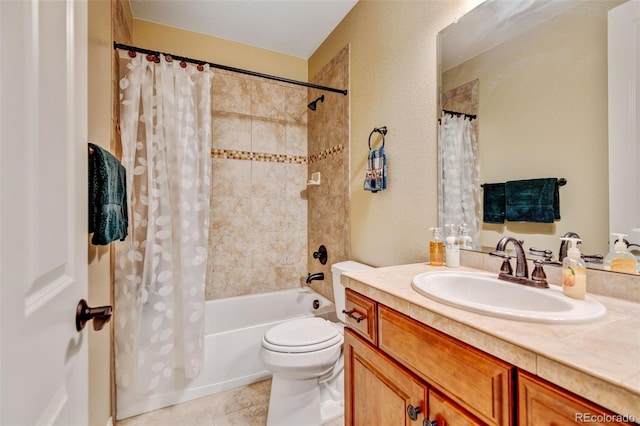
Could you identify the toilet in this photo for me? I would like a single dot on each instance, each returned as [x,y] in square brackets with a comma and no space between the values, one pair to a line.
[305,357]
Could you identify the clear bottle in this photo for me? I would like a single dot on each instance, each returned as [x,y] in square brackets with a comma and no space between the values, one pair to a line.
[464,239]
[436,248]
[574,271]
[620,259]
[452,250]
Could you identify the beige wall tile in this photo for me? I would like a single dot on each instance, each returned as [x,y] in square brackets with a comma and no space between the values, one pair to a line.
[268,100]
[231,131]
[296,139]
[267,179]
[231,93]
[230,178]
[268,136]
[296,105]
[329,203]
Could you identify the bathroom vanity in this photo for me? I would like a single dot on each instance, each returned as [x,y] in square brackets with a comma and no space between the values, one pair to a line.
[412,360]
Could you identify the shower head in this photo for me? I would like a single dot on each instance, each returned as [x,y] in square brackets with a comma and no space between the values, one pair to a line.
[313,105]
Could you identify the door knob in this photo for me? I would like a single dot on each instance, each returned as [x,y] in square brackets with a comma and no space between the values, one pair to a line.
[413,412]
[100,315]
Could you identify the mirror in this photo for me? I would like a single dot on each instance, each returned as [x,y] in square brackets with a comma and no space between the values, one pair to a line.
[535,74]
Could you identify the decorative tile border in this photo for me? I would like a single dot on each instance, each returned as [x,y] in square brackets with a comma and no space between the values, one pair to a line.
[258,156]
[276,158]
[330,152]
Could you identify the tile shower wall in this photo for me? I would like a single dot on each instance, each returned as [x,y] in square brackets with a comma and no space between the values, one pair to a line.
[329,155]
[258,227]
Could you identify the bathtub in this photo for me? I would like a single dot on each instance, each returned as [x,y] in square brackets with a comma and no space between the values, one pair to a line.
[233,333]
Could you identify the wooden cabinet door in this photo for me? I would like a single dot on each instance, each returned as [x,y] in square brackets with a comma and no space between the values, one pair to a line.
[444,412]
[377,390]
[541,403]
[473,379]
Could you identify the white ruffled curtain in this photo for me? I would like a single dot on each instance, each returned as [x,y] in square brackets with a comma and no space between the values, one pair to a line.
[459,188]
[165,123]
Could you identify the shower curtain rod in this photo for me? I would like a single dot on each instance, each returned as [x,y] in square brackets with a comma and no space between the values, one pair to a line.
[227,68]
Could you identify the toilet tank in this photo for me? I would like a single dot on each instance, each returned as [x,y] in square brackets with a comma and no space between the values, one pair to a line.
[338,289]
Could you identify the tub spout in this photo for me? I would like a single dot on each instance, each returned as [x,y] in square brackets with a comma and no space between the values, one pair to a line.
[317,276]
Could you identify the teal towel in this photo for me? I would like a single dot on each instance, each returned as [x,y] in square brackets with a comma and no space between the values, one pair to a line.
[493,205]
[532,200]
[108,216]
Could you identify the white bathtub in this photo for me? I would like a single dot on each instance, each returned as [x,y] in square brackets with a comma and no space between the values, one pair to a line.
[233,333]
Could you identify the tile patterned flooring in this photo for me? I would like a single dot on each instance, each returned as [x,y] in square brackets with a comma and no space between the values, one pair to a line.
[243,406]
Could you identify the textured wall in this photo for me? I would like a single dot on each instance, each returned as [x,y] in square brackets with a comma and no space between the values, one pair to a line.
[329,155]
[207,48]
[258,228]
[393,83]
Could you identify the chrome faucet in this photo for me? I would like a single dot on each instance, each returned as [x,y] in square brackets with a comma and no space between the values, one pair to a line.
[538,277]
[317,276]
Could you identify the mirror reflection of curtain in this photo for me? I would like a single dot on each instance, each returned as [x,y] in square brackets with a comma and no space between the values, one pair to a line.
[459,186]
[165,121]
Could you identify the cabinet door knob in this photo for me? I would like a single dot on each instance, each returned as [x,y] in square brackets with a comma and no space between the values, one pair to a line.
[413,412]
[427,422]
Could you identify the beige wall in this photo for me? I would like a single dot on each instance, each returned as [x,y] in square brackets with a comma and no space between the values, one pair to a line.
[154,36]
[543,113]
[392,83]
[99,132]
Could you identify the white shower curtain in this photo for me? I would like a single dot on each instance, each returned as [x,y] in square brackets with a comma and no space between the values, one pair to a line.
[165,122]
[459,187]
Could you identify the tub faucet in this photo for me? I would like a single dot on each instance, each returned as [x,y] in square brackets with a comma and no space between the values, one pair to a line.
[538,277]
[317,276]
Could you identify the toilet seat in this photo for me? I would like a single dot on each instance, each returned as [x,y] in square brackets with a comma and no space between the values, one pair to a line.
[302,335]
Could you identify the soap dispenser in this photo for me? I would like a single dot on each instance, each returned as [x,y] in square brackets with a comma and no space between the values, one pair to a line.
[452,251]
[464,239]
[574,271]
[620,259]
[436,248]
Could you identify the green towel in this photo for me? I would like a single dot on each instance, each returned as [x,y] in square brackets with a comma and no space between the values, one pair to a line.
[493,202]
[532,200]
[108,216]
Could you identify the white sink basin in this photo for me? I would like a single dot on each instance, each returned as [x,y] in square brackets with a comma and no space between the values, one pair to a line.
[486,294]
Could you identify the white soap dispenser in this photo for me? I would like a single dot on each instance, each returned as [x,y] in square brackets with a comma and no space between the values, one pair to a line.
[574,271]
[620,259]
[464,239]
[452,251]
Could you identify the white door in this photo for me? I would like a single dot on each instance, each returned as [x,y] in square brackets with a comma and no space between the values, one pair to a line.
[43,211]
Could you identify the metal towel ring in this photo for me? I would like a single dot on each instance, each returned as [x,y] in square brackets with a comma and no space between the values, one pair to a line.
[382,130]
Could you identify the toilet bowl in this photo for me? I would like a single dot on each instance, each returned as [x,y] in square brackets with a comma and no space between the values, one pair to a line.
[305,357]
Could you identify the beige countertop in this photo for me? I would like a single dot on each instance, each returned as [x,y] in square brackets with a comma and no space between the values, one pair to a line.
[599,361]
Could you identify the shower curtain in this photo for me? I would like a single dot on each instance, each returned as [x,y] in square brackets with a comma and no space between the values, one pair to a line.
[165,122]
[459,187]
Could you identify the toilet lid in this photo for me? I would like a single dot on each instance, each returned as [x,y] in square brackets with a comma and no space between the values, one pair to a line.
[302,335]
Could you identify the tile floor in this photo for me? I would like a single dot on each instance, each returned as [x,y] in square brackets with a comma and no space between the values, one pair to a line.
[244,406]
